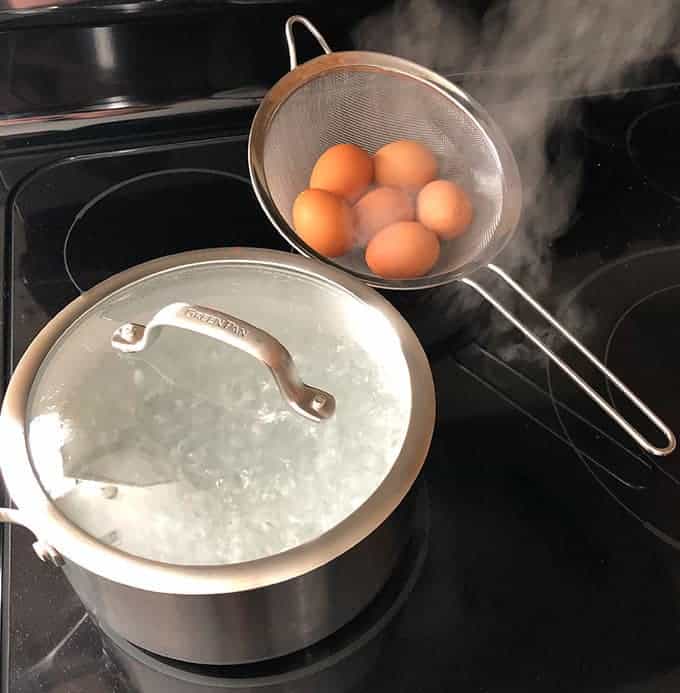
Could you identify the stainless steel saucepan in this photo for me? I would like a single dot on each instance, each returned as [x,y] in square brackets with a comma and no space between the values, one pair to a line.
[212,495]
[370,99]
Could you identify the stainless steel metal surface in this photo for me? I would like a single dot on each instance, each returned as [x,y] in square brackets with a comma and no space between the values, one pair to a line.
[275,604]
[292,50]
[308,401]
[255,624]
[371,99]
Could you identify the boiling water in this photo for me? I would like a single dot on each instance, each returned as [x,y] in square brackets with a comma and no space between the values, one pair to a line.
[189,455]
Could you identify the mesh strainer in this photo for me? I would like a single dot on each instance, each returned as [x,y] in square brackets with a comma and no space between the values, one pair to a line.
[371,99]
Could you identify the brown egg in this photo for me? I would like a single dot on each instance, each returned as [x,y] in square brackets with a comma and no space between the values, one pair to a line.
[380,208]
[445,208]
[345,169]
[404,164]
[402,251]
[323,221]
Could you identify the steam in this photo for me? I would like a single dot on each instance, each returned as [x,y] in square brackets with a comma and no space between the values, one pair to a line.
[520,59]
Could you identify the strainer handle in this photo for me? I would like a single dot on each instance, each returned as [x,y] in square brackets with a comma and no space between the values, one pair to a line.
[306,400]
[598,399]
[290,39]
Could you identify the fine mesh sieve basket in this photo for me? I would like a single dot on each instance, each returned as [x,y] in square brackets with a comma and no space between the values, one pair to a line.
[370,99]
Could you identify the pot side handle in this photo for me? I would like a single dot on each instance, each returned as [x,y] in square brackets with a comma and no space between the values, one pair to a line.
[308,401]
[45,552]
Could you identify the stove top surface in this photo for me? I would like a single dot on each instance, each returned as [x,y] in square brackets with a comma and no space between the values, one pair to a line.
[548,557]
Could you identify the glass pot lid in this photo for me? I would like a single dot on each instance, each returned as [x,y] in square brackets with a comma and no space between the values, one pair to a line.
[220,412]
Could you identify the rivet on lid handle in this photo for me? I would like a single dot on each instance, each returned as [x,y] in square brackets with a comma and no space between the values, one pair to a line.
[308,401]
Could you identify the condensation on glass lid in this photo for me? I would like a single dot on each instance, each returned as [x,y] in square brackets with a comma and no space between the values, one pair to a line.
[186,453]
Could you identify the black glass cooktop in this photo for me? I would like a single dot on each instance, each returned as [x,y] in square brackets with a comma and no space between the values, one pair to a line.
[547,556]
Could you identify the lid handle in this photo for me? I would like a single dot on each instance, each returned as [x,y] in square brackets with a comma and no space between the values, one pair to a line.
[306,400]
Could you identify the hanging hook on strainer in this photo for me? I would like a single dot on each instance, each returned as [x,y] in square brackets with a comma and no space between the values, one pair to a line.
[370,99]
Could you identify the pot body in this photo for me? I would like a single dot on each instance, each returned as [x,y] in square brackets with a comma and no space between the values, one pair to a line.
[256,624]
[228,613]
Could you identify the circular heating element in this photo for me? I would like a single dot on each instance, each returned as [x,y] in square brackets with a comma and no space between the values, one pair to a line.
[654,145]
[636,301]
[171,211]
[162,213]
[649,332]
